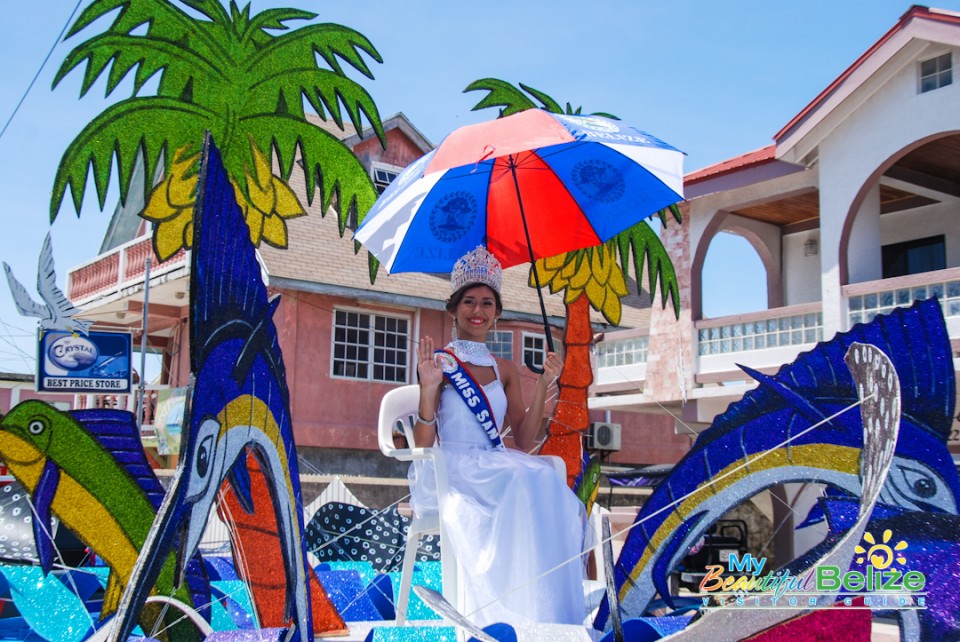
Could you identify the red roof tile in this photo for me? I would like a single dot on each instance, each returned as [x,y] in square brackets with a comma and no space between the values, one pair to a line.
[756,157]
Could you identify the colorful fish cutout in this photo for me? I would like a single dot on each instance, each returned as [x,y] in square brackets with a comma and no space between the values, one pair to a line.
[88,468]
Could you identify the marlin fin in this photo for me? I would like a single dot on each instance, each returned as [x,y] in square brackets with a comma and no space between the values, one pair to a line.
[791,396]
[43,496]
[258,341]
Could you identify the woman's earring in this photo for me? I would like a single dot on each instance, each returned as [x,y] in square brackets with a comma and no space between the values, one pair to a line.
[495,328]
[453,331]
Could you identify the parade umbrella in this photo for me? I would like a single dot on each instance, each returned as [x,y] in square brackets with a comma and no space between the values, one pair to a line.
[527,186]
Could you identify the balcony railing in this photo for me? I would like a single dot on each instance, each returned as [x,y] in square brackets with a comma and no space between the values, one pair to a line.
[622,352]
[121,267]
[621,361]
[867,300]
[781,327]
[126,402]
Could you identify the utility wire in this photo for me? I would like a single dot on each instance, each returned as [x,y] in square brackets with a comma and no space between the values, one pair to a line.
[40,70]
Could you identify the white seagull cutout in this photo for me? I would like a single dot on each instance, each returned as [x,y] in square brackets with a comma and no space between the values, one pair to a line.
[56,312]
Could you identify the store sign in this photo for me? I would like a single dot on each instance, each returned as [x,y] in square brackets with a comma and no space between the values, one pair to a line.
[73,363]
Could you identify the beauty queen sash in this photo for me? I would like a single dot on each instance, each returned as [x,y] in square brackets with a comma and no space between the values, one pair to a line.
[471,393]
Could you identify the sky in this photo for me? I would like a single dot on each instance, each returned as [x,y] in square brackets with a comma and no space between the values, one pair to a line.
[714,79]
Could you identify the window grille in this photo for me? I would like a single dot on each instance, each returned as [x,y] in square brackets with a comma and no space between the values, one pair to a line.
[500,344]
[534,348]
[370,346]
[936,73]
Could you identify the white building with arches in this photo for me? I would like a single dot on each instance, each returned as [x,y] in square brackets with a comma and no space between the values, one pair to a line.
[853,210]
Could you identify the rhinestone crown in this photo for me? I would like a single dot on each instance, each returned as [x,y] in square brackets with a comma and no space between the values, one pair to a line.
[477,266]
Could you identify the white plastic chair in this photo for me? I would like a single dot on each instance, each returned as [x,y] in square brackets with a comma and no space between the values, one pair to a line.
[398,409]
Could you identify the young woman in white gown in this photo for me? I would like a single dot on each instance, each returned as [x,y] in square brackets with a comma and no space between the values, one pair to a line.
[512,520]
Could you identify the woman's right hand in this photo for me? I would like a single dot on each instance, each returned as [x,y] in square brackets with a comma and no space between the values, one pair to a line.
[427,367]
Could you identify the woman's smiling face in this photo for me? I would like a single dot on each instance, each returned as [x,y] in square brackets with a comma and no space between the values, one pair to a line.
[476,312]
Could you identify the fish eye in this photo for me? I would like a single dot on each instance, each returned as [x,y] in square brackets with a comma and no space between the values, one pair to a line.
[923,485]
[37,426]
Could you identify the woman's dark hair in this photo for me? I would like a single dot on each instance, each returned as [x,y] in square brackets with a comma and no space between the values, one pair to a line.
[457,297]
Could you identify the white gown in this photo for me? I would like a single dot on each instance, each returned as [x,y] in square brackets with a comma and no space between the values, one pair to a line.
[510,518]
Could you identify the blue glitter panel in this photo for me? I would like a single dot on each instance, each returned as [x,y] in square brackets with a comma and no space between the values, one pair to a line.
[364,569]
[650,628]
[102,573]
[51,610]
[381,593]
[220,620]
[238,605]
[220,568]
[259,635]
[416,609]
[412,634]
[346,590]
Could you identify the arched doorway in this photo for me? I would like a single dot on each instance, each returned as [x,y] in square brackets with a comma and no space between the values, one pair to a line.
[903,220]
[734,270]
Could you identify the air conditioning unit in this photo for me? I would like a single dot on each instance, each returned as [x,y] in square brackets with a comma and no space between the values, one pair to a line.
[603,436]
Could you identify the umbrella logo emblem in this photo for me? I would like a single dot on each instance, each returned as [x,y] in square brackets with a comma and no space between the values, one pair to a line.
[595,124]
[452,216]
[599,180]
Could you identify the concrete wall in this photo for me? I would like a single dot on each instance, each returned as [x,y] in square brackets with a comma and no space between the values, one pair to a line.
[801,274]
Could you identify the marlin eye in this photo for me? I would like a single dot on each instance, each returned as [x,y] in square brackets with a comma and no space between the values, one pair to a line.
[37,426]
[924,487]
[920,483]
[203,457]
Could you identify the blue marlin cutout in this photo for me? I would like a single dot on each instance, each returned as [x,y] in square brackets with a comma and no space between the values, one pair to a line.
[811,390]
[240,400]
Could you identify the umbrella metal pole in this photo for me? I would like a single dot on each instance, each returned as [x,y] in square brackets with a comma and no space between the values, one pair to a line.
[533,265]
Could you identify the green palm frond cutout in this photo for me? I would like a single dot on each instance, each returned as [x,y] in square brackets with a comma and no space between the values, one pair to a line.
[512,100]
[640,245]
[242,77]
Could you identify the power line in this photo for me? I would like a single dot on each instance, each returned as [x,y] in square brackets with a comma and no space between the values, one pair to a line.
[42,65]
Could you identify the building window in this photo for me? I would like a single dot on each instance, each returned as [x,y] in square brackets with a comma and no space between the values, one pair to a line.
[914,257]
[622,352]
[370,347]
[534,349]
[383,175]
[936,73]
[500,344]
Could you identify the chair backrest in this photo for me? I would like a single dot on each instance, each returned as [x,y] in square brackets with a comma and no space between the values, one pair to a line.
[398,408]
